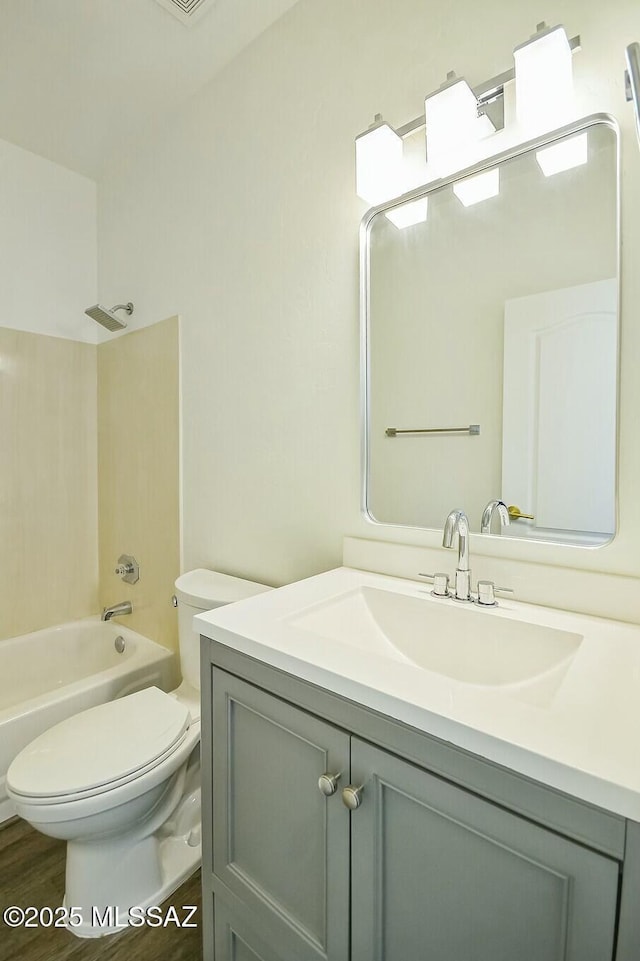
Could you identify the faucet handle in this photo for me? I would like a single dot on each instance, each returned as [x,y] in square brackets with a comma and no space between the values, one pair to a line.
[440,584]
[128,569]
[487,593]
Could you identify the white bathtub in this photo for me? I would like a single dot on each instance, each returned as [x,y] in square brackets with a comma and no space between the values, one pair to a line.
[49,675]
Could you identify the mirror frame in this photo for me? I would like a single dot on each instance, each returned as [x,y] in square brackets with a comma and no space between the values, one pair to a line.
[365,313]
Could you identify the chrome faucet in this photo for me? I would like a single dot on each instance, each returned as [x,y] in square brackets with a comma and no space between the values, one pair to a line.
[115,611]
[487,516]
[458,523]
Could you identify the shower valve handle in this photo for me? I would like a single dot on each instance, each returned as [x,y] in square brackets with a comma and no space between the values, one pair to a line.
[128,569]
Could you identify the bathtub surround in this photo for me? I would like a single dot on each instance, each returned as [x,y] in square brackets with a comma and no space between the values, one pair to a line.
[138,476]
[48,481]
[90,453]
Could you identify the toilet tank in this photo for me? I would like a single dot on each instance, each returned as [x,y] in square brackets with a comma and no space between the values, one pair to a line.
[198,591]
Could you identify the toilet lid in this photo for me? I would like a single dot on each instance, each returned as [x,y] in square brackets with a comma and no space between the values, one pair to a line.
[103,744]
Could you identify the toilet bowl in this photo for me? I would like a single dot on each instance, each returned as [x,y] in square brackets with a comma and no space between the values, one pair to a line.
[121,782]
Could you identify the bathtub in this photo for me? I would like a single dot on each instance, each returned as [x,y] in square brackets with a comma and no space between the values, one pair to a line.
[51,674]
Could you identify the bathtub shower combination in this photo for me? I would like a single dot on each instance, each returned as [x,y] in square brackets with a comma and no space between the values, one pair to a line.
[50,675]
[120,781]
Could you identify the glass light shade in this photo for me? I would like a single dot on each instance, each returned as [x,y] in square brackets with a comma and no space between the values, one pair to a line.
[451,117]
[474,189]
[544,81]
[409,214]
[379,164]
[563,156]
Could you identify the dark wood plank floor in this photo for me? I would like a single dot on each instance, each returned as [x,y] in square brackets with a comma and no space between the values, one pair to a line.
[32,873]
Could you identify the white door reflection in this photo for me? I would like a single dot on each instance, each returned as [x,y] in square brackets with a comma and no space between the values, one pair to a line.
[559,411]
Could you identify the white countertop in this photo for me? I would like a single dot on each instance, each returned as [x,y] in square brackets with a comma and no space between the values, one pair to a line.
[582,738]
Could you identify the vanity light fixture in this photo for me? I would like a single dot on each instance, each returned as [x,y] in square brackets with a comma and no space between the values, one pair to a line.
[451,119]
[564,155]
[458,118]
[379,163]
[472,190]
[544,80]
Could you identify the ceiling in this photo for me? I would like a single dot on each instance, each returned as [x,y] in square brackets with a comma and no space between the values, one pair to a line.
[82,79]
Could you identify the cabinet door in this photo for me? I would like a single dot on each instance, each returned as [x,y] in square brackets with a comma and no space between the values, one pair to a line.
[439,874]
[280,845]
[233,942]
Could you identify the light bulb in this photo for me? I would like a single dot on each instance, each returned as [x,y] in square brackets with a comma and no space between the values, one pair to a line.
[378,164]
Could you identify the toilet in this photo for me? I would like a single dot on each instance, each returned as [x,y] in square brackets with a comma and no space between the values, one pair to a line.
[120,782]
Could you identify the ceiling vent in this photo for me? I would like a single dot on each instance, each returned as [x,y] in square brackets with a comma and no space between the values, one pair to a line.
[187,11]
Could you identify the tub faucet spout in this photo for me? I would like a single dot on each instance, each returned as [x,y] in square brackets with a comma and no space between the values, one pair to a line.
[115,611]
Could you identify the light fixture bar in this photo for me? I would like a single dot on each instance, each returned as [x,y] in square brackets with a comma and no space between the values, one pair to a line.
[485,92]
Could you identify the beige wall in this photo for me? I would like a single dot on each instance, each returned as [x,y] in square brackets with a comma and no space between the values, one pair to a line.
[48,481]
[138,445]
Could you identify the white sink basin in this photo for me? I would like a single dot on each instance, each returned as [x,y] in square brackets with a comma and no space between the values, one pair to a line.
[548,693]
[468,644]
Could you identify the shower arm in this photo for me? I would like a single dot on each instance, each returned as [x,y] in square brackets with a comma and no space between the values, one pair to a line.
[128,307]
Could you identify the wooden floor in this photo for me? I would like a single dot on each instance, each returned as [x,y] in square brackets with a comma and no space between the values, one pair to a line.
[32,873]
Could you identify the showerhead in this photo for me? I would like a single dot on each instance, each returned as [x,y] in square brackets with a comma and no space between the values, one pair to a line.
[107,317]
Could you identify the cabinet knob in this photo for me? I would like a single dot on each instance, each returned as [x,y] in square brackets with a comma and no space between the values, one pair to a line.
[352,796]
[328,783]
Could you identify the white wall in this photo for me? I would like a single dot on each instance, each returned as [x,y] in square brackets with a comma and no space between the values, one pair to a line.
[243,218]
[48,252]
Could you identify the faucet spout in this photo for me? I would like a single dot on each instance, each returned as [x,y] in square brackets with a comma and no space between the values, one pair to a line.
[116,610]
[458,523]
[498,507]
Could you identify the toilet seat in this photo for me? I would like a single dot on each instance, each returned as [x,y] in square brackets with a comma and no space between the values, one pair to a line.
[100,749]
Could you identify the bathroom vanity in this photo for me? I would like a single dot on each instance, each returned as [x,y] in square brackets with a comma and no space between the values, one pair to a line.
[370,791]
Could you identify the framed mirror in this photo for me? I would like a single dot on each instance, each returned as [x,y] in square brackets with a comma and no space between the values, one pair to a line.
[490,343]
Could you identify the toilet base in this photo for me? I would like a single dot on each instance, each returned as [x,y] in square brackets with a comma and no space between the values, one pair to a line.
[178,857]
[145,872]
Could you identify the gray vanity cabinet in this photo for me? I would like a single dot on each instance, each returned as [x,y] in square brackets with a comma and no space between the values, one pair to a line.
[438,873]
[424,869]
[280,847]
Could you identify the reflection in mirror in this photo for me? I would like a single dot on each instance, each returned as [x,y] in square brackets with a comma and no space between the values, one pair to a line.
[492,346]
